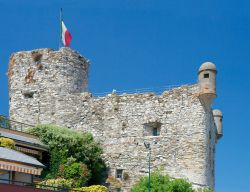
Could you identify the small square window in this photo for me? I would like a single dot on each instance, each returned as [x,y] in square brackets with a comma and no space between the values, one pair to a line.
[152,129]
[28,95]
[206,75]
[119,173]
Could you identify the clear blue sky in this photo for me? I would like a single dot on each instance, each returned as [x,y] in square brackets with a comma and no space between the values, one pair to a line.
[150,43]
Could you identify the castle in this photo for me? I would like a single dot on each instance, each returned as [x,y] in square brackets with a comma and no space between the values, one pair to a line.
[51,87]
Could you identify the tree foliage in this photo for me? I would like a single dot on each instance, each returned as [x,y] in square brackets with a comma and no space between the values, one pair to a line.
[79,172]
[160,182]
[72,154]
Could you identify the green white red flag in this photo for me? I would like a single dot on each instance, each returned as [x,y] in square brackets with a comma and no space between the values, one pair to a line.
[66,36]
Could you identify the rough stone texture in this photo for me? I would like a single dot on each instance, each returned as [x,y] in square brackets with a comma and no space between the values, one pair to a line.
[49,89]
[35,77]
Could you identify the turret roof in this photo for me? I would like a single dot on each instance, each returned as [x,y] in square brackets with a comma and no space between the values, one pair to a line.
[207,66]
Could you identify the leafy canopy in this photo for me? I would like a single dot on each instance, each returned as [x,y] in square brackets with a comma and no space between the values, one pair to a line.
[72,154]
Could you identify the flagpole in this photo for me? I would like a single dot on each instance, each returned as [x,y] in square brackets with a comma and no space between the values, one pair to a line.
[60,36]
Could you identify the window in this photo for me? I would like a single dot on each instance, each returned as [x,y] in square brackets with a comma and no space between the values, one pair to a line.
[155,131]
[152,129]
[28,95]
[119,173]
[206,75]
[4,176]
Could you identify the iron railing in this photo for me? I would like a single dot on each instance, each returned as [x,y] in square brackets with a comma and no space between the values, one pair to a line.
[155,90]
[38,186]
[13,125]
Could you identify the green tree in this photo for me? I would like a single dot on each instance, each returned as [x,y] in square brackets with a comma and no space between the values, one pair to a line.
[71,150]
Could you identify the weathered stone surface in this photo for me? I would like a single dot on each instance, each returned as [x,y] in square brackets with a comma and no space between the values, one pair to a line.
[47,86]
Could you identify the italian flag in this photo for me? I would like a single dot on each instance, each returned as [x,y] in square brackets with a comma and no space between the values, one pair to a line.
[65,35]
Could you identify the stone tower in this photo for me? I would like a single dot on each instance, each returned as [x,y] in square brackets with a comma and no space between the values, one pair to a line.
[37,77]
[47,86]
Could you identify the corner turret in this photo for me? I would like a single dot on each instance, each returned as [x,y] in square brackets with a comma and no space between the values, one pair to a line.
[218,122]
[207,82]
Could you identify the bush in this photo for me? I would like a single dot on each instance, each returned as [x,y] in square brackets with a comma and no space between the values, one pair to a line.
[180,185]
[94,188]
[77,171]
[64,144]
[159,182]
[59,182]
[6,142]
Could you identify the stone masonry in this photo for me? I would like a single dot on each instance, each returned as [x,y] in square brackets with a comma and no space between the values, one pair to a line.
[50,87]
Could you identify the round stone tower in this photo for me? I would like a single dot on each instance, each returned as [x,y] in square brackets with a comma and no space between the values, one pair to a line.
[207,82]
[38,78]
[218,122]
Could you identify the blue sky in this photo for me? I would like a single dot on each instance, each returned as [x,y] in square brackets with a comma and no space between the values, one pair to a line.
[150,43]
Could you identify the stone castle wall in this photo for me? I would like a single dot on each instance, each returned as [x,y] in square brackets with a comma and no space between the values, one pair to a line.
[184,148]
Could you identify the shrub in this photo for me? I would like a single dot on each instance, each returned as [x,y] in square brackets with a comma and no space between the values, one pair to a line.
[6,142]
[64,144]
[77,171]
[180,185]
[159,182]
[93,188]
[59,182]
